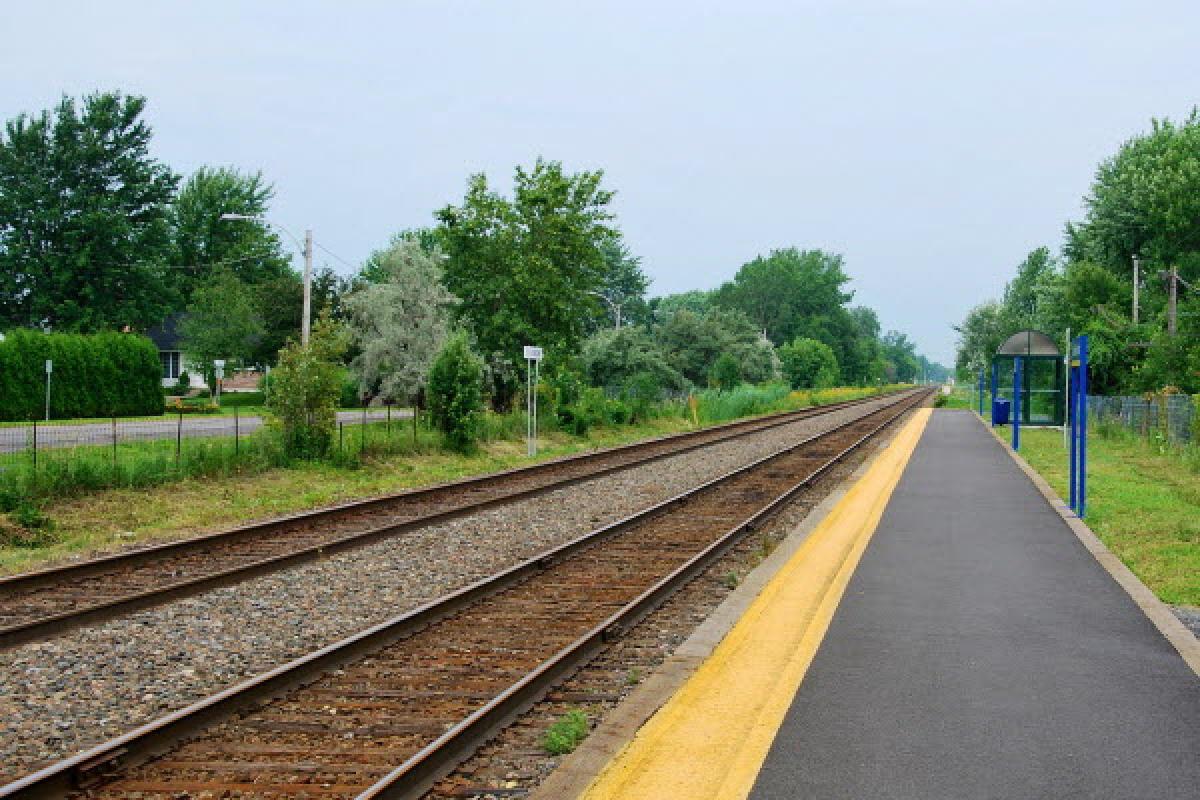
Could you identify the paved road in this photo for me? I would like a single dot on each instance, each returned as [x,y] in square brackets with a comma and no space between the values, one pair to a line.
[54,436]
[980,651]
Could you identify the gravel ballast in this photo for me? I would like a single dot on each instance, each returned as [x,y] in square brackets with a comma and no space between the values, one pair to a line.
[74,691]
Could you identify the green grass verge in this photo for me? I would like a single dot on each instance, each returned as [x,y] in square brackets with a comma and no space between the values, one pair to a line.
[86,506]
[1143,503]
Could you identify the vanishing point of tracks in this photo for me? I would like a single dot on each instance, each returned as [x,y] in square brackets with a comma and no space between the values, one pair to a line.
[38,604]
[386,712]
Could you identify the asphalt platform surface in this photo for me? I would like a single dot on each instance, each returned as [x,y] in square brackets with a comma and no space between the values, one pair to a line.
[981,652]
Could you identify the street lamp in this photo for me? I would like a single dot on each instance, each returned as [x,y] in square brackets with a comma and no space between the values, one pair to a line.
[306,248]
[616,307]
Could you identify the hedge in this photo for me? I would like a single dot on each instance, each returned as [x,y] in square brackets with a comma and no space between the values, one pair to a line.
[98,375]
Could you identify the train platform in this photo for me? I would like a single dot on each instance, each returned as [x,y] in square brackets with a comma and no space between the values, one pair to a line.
[946,630]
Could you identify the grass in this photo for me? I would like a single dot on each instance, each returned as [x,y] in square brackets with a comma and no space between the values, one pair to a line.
[1143,502]
[566,733]
[961,397]
[90,507]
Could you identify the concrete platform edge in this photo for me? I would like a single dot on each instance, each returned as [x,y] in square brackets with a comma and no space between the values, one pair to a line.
[580,768]
[1156,610]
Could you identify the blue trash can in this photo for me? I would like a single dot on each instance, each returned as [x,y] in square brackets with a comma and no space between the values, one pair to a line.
[1001,410]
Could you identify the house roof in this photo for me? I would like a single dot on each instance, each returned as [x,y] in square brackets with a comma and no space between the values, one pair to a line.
[165,334]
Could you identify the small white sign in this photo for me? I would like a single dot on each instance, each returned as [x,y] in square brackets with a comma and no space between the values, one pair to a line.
[533,353]
[49,366]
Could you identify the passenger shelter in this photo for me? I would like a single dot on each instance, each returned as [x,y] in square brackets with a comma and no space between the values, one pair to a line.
[1043,377]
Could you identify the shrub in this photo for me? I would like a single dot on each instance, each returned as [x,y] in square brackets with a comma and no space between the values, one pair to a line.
[809,364]
[456,393]
[305,388]
[184,384]
[566,733]
[94,375]
[642,392]
[348,396]
[726,374]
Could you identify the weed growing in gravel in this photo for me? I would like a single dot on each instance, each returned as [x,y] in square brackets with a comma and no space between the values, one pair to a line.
[633,677]
[731,580]
[566,733]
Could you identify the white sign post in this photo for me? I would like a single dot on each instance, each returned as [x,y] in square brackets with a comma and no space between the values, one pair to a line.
[49,369]
[220,373]
[533,356]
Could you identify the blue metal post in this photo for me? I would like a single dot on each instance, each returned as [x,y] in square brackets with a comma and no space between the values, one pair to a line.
[981,391]
[1083,381]
[1073,423]
[1016,404]
[995,383]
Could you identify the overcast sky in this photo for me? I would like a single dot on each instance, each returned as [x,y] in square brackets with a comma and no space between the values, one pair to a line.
[933,144]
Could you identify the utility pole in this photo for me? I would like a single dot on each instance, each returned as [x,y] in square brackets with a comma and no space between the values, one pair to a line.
[1172,300]
[306,321]
[1137,278]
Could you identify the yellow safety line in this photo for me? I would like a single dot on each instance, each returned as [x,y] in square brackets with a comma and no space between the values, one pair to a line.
[710,739]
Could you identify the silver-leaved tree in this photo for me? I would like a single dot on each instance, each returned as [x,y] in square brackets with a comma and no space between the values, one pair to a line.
[400,322]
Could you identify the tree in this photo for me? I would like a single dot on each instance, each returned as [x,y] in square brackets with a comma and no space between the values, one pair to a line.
[249,249]
[809,364]
[456,392]
[401,322]
[524,268]
[726,374]
[305,387]
[624,286]
[1145,200]
[1033,299]
[693,343]
[84,218]
[375,271]
[280,303]
[613,358]
[221,322]
[786,290]
[696,301]
[900,355]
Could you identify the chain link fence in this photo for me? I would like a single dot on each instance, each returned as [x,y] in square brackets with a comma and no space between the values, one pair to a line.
[171,441]
[1174,417]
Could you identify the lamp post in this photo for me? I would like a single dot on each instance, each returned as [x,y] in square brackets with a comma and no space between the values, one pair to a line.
[307,249]
[616,307]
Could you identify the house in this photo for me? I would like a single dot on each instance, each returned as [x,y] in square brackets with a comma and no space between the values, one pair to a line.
[166,338]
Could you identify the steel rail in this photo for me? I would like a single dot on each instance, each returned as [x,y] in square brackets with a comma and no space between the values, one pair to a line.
[102,762]
[52,624]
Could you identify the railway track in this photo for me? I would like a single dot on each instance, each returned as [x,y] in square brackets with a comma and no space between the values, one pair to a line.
[38,604]
[388,711]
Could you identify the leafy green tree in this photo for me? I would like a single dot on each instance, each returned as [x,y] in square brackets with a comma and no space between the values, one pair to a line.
[784,291]
[809,364]
[456,393]
[900,355]
[1033,299]
[624,286]
[693,343]
[1145,200]
[524,268]
[221,322]
[696,301]
[84,218]
[612,358]
[248,249]
[280,303]
[726,374]
[374,270]
[305,388]
[399,323]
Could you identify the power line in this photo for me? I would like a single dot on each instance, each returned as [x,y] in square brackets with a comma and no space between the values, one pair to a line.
[335,255]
